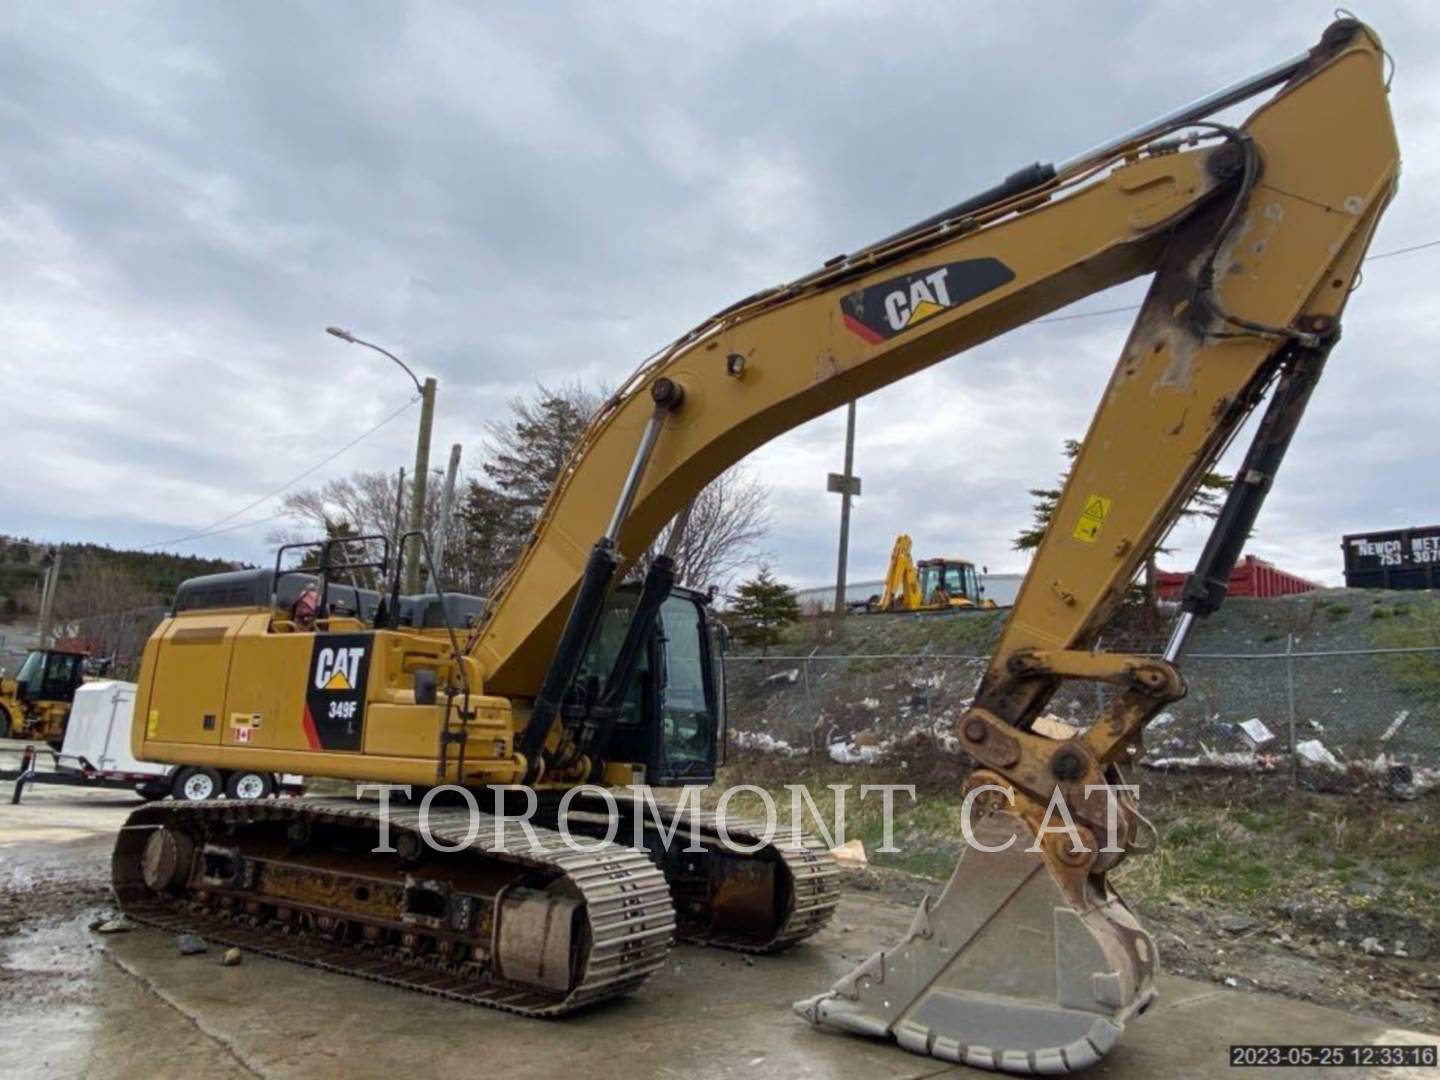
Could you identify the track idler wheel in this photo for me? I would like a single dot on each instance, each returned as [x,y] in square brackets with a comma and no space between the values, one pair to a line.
[1007,970]
[167,860]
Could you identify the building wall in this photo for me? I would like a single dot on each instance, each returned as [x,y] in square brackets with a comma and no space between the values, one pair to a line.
[998,587]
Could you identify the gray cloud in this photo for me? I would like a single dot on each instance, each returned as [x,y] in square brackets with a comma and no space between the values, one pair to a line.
[189,193]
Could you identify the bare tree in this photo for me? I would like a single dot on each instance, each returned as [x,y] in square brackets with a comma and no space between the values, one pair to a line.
[728,519]
[497,507]
[361,504]
[109,612]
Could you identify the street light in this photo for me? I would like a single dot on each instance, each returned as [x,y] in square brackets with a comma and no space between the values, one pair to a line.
[422,454]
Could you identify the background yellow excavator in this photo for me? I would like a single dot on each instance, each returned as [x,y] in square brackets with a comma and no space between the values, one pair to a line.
[932,585]
[1028,961]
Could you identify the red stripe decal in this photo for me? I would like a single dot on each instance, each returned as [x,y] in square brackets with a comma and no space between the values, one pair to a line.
[310,733]
[863,330]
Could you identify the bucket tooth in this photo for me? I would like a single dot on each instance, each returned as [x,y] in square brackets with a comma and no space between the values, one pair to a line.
[1005,971]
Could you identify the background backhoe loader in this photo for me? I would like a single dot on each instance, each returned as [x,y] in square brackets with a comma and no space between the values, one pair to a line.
[930,585]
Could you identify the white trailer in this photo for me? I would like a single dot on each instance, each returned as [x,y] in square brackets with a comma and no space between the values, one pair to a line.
[96,752]
[97,737]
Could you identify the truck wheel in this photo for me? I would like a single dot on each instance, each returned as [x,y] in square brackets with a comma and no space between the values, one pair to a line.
[152,791]
[246,784]
[197,784]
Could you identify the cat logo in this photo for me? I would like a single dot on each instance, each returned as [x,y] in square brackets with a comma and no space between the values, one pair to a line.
[879,312]
[925,297]
[338,669]
[334,713]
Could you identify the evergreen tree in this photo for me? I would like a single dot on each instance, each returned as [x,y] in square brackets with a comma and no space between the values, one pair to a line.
[1206,502]
[761,608]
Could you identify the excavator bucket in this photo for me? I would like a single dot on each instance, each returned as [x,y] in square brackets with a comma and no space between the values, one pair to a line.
[1005,971]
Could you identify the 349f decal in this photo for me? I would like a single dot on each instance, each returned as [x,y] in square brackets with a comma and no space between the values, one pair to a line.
[879,312]
[335,693]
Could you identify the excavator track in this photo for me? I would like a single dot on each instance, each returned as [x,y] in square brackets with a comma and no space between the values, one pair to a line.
[755,901]
[504,946]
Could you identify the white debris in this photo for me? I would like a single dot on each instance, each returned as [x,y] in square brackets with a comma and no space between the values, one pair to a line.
[1256,733]
[1372,946]
[763,742]
[870,703]
[846,753]
[783,677]
[852,851]
[1400,718]
[1213,759]
[1161,719]
[1313,751]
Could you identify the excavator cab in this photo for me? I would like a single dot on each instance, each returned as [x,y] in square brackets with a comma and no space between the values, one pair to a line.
[671,713]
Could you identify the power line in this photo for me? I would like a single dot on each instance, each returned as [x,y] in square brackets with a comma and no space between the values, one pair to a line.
[1090,314]
[212,529]
[1136,307]
[1403,251]
[217,532]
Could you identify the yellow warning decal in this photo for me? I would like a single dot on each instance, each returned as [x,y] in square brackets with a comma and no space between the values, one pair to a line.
[1087,528]
[338,681]
[152,724]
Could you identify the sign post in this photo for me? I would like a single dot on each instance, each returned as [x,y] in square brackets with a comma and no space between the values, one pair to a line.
[846,485]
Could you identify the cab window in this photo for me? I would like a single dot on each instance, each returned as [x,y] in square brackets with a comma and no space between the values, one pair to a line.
[929,581]
[686,715]
[605,647]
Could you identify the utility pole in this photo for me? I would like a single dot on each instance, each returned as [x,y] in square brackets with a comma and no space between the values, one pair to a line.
[422,471]
[422,454]
[399,507]
[442,527]
[47,598]
[847,484]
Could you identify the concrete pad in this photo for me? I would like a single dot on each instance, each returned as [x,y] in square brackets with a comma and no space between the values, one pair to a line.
[131,1005]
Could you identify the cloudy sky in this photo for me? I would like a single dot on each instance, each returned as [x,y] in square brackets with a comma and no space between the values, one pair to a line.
[191,192]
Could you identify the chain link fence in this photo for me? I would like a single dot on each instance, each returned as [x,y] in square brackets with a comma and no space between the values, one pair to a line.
[1379,705]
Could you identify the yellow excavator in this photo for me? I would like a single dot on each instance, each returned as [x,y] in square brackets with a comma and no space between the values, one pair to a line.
[930,585]
[564,686]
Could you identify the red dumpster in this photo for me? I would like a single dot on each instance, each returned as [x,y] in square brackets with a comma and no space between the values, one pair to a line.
[1251,577]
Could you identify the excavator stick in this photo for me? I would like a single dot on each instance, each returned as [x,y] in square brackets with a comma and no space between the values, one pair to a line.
[1004,971]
